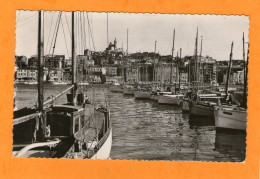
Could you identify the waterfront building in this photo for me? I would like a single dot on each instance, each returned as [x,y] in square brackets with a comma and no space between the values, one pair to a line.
[26,74]
[235,78]
[95,79]
[163,73]
[238,77]
[55,75]
[113,79]
[203,70]
[132,72]
[67,75]
[183,77]
[222,66]
[33,62]
[21,61]
[111,70]
[96,70]
[54,62]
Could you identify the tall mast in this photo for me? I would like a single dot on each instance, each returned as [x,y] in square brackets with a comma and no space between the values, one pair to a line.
[244,67]
[145,73]
[154,61]
[74,90]
[200,60]
[172,55]
[229,69]
[244,102]
[180,70]
[127,43]
[195,78]
[40,63]
[176,73]
[196,60]
[107,31]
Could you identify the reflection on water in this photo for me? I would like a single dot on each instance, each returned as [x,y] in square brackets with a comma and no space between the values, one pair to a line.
[144,130]
[231,144]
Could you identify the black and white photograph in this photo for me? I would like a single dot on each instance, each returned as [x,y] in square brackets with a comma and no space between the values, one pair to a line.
[130,86]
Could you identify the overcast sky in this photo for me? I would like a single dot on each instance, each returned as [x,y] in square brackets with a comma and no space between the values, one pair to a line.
[144,29]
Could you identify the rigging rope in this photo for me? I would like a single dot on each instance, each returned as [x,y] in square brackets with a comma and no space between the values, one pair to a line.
[91,34]
[53,34]
[27,20]
[46,48]
[89,41]
[65,38]
[67,24]
[84,31]
[54,45]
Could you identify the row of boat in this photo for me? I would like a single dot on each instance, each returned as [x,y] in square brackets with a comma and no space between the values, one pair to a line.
[207,106]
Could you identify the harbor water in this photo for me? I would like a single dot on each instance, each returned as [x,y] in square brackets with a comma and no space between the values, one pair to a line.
[144,130]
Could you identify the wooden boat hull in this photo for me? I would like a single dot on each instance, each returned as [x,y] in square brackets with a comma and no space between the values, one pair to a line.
[230,119]
[196,109]
[168,99]
[142,95]
[128,91]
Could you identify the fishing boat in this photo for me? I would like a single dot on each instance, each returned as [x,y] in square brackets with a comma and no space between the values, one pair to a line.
[201,109]
[128,90]
[233,116]
[170,99]
[142,94]
[143,91]
[230,117]
[116,87]
[76,129]
[155,95]
[204,105]
[200,104]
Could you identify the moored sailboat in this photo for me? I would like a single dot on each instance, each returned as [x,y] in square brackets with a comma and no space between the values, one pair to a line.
[128,90]
[233,116]
[142,94]
[170,99]
[116,87]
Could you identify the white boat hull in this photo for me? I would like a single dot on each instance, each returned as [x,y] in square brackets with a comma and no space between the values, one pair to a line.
[230,119]
[128,91]
[104,151]
[168,99]
[201,110]
[142,95]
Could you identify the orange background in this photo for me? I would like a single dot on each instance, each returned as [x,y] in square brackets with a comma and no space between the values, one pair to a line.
[68,168]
